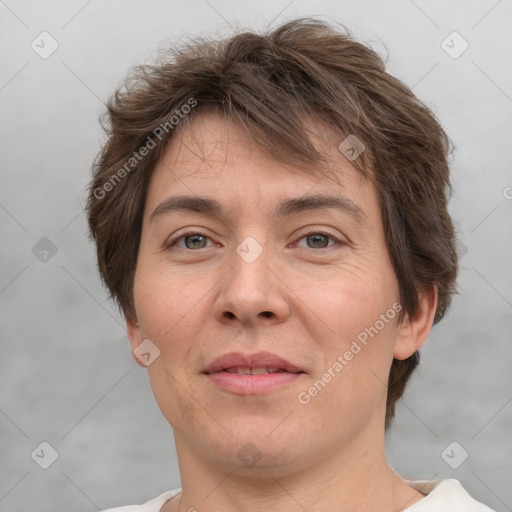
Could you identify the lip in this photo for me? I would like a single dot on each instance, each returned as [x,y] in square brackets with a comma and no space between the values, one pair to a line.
[256,360]
[252,384]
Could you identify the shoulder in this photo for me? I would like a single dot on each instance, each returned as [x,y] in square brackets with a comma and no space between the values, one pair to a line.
[153,505]
[444,496]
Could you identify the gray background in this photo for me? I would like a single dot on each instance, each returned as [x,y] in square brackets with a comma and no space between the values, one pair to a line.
[67,375]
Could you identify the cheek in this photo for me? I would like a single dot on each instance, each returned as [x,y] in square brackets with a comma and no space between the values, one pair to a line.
[359,347]
[171,309]
[353,376]
[168,304]
[347,301]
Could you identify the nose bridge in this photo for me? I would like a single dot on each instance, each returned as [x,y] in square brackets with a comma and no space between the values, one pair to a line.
[250,290]
[249,272]
[249,250]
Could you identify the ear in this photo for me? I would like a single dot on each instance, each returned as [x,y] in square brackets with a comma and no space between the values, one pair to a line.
[413,331]
[133,332]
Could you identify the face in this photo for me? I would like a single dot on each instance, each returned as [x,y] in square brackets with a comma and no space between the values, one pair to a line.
[305,287]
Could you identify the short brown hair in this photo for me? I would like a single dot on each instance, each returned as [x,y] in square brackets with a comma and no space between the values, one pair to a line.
[268,83]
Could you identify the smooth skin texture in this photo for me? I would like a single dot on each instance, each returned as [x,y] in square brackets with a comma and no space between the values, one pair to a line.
[305,298]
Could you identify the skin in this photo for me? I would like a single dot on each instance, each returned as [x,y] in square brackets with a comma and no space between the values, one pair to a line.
[200,301]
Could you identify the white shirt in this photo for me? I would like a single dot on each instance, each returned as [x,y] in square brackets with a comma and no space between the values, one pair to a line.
[442,496]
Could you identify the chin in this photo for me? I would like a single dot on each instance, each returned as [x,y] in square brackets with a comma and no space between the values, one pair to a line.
[257,448]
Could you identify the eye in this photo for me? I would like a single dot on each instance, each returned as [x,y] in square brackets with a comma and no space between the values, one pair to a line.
[191,240]
[318,239]
[315,239]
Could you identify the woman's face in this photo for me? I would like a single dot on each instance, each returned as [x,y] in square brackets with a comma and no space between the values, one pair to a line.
[312,288]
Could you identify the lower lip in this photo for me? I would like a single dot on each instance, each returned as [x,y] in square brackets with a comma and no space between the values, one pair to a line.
[253,384]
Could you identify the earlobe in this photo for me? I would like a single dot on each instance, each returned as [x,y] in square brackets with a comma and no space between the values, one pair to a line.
[414,330]
[133,332]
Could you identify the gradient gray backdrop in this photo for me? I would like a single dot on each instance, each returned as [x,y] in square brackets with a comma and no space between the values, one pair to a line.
[67,375]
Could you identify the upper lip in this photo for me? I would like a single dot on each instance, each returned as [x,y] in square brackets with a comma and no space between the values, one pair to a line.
[256,360]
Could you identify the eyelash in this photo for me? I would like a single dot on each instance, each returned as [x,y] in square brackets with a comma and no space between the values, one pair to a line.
[303,234]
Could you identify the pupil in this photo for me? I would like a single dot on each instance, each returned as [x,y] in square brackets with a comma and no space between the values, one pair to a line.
[194,238]
[316,238]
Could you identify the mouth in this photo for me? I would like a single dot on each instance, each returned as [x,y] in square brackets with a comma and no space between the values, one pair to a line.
[251,374]
[258,363]
[262,370]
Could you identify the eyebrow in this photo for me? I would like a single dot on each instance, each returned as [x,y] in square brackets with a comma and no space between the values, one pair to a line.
[286,207]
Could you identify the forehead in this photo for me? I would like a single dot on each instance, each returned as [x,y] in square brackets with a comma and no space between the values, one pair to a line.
[213,155]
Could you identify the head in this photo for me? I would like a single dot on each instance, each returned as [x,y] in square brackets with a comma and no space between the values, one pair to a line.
[250,122]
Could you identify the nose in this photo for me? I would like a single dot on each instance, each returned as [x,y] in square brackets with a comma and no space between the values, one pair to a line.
[252,292]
